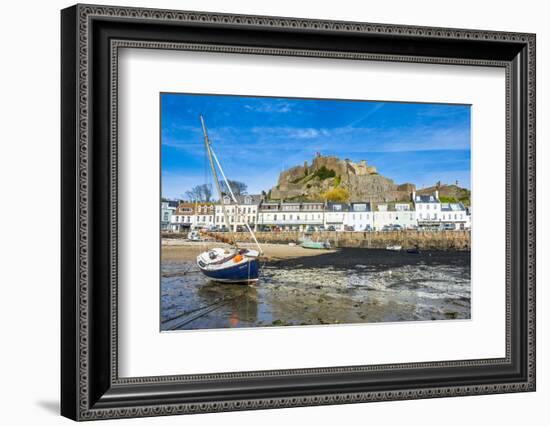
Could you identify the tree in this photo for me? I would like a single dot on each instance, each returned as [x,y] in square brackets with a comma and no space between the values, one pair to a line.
[324,173]
[238,188]
[337,194]
[199,193]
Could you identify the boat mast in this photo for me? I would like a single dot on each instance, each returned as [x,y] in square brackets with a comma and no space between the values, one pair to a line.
[215,173]
[235,200]
[212,155]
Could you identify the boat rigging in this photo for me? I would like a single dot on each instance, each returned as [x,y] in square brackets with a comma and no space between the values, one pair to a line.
[234,264]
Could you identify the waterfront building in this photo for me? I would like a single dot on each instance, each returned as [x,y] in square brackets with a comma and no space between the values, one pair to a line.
[359,217]
[405,215]
[183,217]
[428,210]
[348,216]
[167,208]
[203,216]
[192,215]
[454,216]
[290,215]
[335,215]
[244,211]
[312,214]
[394,215]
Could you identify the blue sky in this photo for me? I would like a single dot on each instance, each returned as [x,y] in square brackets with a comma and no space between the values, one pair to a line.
[256,138]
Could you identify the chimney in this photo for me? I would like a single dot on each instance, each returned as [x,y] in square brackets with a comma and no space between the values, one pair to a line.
[436,193]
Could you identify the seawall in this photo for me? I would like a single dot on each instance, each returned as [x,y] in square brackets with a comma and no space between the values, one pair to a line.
[426,240]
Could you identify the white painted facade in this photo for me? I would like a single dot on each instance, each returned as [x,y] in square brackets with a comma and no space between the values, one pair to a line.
[245,211]
[291,216]
[183,218]
[167,208]
[455,215]
[204,216]
[426,212]
[400,214]
[335,215]
[359,217]
[428,209]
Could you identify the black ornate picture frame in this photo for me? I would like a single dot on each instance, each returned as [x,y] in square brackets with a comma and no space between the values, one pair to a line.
[91,387]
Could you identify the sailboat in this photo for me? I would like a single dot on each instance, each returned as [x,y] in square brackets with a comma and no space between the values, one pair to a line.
[232,264]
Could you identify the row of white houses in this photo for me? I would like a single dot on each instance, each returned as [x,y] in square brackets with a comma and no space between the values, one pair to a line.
[423,211]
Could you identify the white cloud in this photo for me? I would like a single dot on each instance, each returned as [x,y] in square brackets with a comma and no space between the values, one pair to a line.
[270,107]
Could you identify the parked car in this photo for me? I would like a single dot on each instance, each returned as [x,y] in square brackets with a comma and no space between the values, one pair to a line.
[448,227]
[310,228]
[397,228]
[368,229]
[331,228]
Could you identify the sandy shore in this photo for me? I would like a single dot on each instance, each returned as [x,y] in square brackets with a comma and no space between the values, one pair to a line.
[285,256]
[181,250]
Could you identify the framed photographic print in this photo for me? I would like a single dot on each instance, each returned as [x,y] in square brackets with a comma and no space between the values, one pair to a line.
[263,212]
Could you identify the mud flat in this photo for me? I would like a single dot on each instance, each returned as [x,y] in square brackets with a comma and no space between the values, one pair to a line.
[299,287]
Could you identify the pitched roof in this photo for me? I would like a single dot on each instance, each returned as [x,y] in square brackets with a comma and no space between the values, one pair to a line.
[241,199]
[360,207]
[426,198]
[454,207]
[337,207]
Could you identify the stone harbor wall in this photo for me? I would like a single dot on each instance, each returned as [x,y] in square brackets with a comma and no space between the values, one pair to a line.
[425,240]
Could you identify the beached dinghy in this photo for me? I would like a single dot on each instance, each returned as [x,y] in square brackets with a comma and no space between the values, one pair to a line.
[317,245]
[232,264]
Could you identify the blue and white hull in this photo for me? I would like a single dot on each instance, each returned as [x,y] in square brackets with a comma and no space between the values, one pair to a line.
[230,266]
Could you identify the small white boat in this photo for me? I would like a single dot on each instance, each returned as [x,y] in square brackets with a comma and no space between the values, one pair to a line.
[394,248]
